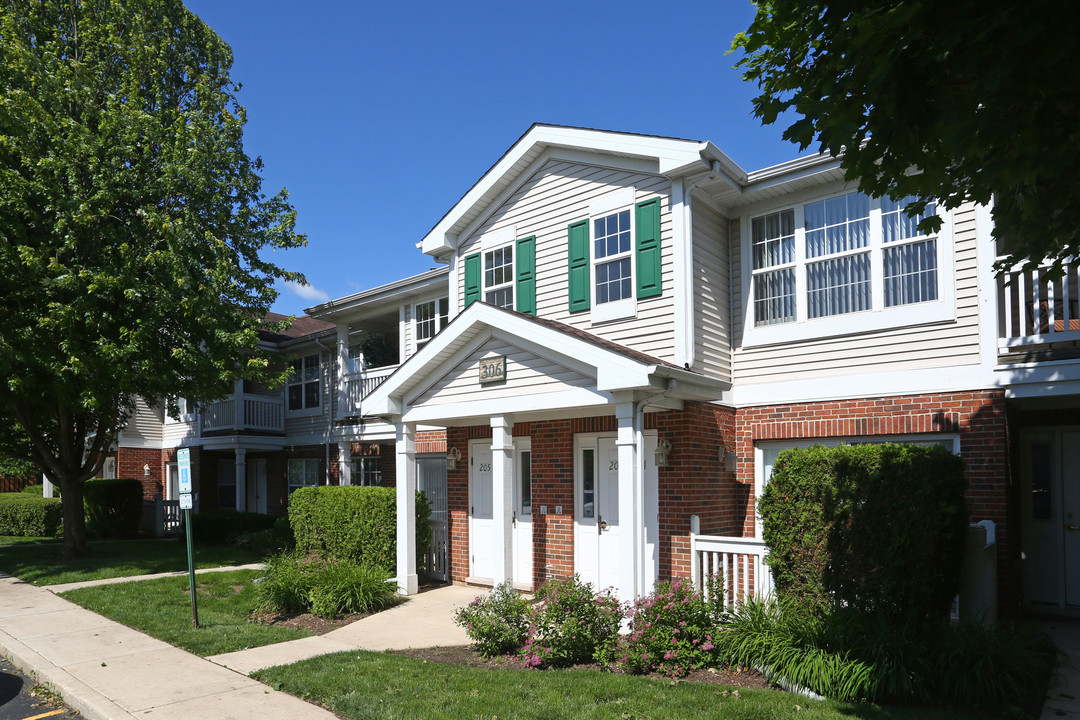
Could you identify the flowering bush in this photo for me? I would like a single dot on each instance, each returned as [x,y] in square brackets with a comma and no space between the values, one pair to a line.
[497,623]
[308,582]
[671,630]
[572,624]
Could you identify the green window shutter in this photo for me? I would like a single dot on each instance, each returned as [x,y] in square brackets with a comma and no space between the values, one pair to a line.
[579,280]
[525,261]
[472,279]
[649,283]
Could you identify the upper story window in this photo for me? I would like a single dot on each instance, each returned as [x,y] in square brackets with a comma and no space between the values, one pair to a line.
[185,410]
[305,383]
[503,273]
[431,317]
[614,256]
[499,277]
[840,256]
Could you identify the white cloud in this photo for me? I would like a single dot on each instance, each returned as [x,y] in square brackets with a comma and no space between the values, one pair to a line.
[307,292]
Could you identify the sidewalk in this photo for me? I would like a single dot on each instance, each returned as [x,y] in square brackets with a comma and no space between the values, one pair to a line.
[108,671]
[1063,695]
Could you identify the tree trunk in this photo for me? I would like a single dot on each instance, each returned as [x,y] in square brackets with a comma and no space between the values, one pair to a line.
[71,497]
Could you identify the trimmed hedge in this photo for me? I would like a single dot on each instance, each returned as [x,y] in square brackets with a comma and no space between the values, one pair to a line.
[215,526]
[874,528]
[354,523]
[113,507]
[24,515]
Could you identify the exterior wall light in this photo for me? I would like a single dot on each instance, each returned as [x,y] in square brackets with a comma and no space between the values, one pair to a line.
[146,470]
[452,457]
[662,449]
[727,457]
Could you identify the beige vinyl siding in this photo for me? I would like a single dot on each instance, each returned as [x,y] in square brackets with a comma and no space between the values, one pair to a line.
[409,348]
[558,194]
[949,343]
[145,424]
[173,433]
[711,293]
[526,374]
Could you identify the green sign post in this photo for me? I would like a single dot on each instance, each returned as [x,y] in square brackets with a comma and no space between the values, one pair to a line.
[183,461]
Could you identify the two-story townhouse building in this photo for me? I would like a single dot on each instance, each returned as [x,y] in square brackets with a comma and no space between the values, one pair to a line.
[637,326]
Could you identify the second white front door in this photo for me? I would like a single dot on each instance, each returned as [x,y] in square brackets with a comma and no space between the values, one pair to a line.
[482,537]
[522,517]
[596,554]
[256,485]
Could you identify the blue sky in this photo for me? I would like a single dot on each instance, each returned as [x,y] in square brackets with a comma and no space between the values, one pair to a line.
[378,117]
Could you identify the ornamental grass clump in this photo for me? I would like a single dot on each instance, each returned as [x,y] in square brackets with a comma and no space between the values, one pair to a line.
[498,623]
[672,630]
[298,582]
[572,624]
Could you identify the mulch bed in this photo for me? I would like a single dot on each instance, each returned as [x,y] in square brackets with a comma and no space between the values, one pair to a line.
[465,655]
[306,621]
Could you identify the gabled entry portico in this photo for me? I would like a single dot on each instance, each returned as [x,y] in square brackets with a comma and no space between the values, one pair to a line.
[512,433]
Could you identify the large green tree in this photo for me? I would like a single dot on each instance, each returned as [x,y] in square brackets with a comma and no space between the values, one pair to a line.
[952,101]
[133,228]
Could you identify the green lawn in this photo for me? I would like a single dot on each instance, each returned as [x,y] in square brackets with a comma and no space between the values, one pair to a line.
[162,608]
[39,562]
[369,685]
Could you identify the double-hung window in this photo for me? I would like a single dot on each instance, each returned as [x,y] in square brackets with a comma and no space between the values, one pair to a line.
[431,317]
[503,273]
[848,256]
[304,383]
[614,256]
[303,472]
[366,471]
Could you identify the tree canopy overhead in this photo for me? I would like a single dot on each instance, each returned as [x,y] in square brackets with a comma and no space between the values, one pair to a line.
[133,227]
[952,101]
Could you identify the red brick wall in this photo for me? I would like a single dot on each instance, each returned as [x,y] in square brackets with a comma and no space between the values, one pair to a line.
[977,417]
[131,463]
[430,441]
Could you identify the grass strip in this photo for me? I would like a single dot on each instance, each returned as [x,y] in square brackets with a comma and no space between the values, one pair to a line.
[162,608]
[39,563]
[370,685]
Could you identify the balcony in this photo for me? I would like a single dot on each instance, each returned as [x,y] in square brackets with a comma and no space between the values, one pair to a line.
[257,413]
[359,385]
[1039,315]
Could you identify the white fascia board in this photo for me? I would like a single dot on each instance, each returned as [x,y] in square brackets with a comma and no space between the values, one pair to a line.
[958,378]
[251,442]
[516,405]
[1038,378]
[670,154]
[393,291]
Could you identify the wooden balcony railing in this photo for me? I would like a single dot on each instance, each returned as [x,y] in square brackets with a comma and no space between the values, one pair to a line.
[360,384]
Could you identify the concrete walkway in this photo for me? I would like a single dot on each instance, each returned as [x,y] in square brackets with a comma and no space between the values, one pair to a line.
[424,620]
[108,671]
[1063,696]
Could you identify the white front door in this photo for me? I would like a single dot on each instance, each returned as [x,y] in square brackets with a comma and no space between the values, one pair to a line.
[1050,509]
[256,485]
[482,540]
[522,517]
[596,507]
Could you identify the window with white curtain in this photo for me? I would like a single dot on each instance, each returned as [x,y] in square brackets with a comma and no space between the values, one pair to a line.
[838,256]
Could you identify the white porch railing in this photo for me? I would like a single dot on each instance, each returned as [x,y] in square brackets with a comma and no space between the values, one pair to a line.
[1033,310]
[740,562]
[360,384]
[264,413]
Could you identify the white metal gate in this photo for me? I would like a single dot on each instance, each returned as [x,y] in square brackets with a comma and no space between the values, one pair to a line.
[431,478]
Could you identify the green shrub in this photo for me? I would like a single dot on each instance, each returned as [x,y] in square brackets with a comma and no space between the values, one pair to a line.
[264,543]
[297,582]
[850,656]
[23,515]
[854,526]
[113,507]
[572,624]
[215,526]
[38,490]
[354,523]
[671,630]
[498,623]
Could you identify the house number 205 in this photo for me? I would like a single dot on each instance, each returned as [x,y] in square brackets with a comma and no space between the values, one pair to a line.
[485,467]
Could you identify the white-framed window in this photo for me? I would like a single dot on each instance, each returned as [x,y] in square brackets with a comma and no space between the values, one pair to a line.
[303,472]
[356,358]
[305,383]
[366,471]
[226,484]
[431,317]
[499,276]
[185,411]
[845,256]
[611,222]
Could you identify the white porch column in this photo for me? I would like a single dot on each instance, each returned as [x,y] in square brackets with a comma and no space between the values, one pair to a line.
[502,494]
[407,581]
[630,530]
[241,479]
[46,486]
[343,408]
[344,463]
[238,404]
